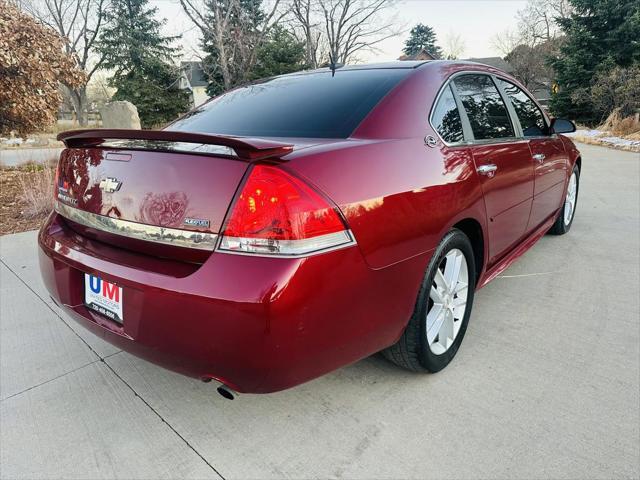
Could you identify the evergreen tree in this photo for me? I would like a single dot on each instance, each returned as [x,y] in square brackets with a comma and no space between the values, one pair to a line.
[600,34]
[422,37]
[142,61]
[282,53]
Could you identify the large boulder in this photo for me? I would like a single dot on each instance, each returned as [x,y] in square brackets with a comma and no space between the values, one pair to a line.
[121,114]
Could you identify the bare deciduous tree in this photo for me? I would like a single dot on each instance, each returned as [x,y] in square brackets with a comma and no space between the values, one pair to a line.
[305,20]
[505,41]
[353,26]
[234,35]
[78,22]
[536,38]
[526,56]
[453,46]
[537,22]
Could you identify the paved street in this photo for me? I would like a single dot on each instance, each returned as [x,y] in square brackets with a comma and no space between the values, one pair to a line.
[546,383]
[20,156]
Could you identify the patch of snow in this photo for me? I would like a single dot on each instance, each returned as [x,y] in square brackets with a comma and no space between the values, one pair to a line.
[603,138]
[620,141]
[586,133]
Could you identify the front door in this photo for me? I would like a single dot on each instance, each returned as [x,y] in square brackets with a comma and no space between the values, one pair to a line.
[550,161]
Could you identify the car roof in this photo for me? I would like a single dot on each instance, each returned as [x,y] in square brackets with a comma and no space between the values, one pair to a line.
[384,65]
[396,65]
[462,64]
[407,65]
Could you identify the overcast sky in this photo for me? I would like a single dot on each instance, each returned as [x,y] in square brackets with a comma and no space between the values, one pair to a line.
[477,21]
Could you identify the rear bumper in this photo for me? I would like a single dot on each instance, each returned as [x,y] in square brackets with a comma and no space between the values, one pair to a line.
[256,324]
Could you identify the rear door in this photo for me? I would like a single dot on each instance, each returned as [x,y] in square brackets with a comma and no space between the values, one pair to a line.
[503,161]
[547,152]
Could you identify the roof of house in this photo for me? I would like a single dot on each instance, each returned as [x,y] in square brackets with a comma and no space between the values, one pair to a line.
[496,62]
[421,55]
[195,73]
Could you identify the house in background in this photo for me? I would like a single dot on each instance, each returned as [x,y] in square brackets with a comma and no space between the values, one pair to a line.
[421,55]
[194,79]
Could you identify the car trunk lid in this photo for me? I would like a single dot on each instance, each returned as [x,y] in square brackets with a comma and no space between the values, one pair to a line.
[159,193]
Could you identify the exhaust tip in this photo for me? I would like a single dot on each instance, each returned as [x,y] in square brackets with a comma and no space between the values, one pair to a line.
[226,392]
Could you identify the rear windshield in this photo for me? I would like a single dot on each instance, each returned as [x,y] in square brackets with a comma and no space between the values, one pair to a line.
[303,105]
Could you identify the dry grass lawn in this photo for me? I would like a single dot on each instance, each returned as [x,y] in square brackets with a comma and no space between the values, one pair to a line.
[26,197]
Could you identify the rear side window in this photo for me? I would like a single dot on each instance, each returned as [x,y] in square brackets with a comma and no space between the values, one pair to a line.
[530,116]
[487,112]
[302,105]
[446,118]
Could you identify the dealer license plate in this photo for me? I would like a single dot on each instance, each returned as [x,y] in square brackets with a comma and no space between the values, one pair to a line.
[103,297]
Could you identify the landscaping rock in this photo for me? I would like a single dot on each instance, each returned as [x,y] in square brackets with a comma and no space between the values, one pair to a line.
[121,114]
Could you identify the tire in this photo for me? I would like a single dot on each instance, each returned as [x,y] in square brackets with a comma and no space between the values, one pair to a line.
[413,351]
[561,225]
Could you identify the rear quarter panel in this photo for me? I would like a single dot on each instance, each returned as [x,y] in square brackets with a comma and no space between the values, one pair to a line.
[399,196]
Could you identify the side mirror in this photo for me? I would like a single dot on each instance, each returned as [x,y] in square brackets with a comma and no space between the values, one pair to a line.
[560,125]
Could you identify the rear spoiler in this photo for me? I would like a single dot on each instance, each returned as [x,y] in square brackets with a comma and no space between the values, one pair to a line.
[251,149]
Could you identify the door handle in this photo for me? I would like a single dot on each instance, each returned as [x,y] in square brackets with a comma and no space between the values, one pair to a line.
[489,170]
[539,157]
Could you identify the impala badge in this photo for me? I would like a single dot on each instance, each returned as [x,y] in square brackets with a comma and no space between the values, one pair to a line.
[110,185]
[197,222]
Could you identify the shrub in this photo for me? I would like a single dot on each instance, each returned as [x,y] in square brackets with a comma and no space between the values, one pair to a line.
[31,65]
[622,126]
[36,190]
[616,91]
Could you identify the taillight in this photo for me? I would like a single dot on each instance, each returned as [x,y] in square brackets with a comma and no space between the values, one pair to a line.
[279,214]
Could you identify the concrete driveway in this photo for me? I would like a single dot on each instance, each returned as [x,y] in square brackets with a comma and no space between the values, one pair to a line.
[546,383]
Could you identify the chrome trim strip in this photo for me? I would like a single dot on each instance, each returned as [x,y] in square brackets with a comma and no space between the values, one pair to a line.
[167,236]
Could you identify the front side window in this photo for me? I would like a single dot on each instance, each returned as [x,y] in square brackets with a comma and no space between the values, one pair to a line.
[530,116]
[487,112]
[446,118]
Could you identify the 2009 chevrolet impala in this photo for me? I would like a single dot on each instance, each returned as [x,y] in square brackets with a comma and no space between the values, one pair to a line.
[301,223]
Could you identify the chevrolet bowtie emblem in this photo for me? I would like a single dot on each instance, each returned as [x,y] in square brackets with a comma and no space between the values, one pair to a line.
[110,185]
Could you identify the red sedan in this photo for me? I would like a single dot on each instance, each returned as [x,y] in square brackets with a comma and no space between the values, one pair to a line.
[301,223]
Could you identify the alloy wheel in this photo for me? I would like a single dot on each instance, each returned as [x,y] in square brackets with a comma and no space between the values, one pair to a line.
[570,200]
[447,301]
